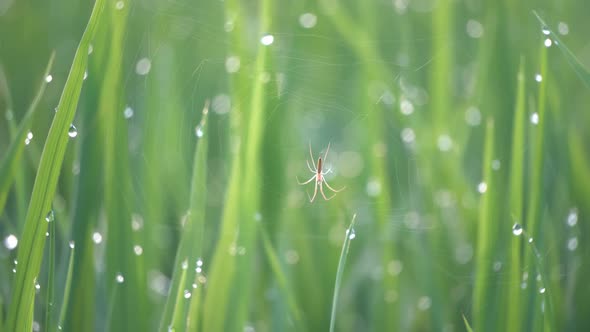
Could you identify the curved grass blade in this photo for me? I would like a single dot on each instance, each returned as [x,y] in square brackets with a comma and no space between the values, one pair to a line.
[20,315]
[467,326]
[51,277]
[580,70]
[340,271]
[191,243]
[17,146]
[67,288]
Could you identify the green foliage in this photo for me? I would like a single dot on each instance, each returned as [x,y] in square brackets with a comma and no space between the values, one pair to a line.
[448,123]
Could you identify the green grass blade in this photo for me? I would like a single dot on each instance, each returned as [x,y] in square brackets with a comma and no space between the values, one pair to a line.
[482,295]
[51,275]
[350,235]
[191,242]
[179,301]
[467,326]
[67,289]
[516,203]
[30,254]
[13,155]
[580,70]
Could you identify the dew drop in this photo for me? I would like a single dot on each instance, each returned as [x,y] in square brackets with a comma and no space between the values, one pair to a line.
[72,244]
[424,303]
[37,286]
[119,278]
[267,39]
[143,66]
[572,217]
[517,229]
[572,244]
[308,20]
[199,262]
[50,216]
[482,187]
[85,75]
[48,78]
[46,233]
[198,270]
[187,294]
[232,64]
[496,164]
[545,31]
[563,28]
[184,265]
[128,112]
[531,240]
[90,49]
[29,138]
[195,285]
[535,118]
[119,5]
[97,237]
[406,107]
[444,143]
[199,131]
[351,233]
[548,42]
[473,116]
[542,290]
[138,250]
[72,132]
[538,77]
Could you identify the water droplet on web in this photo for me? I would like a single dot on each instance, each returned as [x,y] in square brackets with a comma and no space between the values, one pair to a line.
[50,216]
[85,75]
[72,244]
[517,229]
[72,132]
[535,118]
[48,78]
[90,49]
[46,234]
[119,278]
[408,135]
[545,31]
[548,42]
[267,39]
[482,187]
[199,131]
[572,217]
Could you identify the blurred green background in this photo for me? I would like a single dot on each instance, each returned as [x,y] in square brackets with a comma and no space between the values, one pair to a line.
[451,124]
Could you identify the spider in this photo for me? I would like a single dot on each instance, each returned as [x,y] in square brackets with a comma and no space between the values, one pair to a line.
[318,176]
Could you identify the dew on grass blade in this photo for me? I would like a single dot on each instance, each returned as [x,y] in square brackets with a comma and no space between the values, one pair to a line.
[50,216]
[482,187]
[473,116]
[184,265]
[496,164]
[351,233]
[195,285]
[267,39]
[187,294]
[72,244]
[29,138]
[548,42]
[572,217]
[72,132]
[406,107]
[424,303]
[143,66]
[408,135]
[572,244]
[444,143]
[199,262]
[530,240]
[97,237]
[128,112]
[538,77]
[119,5]
[48,78]
[563,28]
[10,242]
[138,250]
[474,29]
[542,290]
[199,131]
[232,64]
[308,20]
[535,118]
[119,278]
[545,30]
[517,229]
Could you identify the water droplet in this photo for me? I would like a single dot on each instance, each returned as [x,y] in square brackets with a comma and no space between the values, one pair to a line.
[199,131]
[138,250]
[535,118]
[128,112]
[48,78]
[308,20]
[143,66]
[267,39]
[119,5]
[50,216]
[474,29]
[394,267]
[424,303]
[542,290]
[444,143]
[523,285]
[72,244]
[199,262]
[15,262]
[292,257]
[28,138]
[136,222]
[187,294]
[90,49]
[119,278]
[497,266]
[85,75]
[473,116]
[184,265]
[563,28]
[97,237]
[538,77]
[351,233]
[72,132]
[37,286]
[10,242]
[408,135]
[496,164]
[14,270]
[195,285]
[482,187]
[46,233]
[517,229]
[545,31]
[198,270]
[221,104]
[531,240]
[373,187]
[572,217]
[232,64]
[548,42]
[406,107]
[36,326]
[572,244]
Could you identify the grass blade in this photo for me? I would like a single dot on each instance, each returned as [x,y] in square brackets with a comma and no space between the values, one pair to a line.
[467,326]
[191,243]
[340,271]
[51,277]
[67,288]
[580,70]
[17,146]
[20,316]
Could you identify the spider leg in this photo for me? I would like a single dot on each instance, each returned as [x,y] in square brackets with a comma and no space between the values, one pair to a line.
[328,171]
[310,168]
[322,192]
[334,190]
[326,154]
[306,182]
[315,191]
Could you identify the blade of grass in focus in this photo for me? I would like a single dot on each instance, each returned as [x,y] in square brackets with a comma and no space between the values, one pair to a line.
[178,301]
[30,253]
[51,275]
[516,203]
[482,297]
[191,242]
[350,235]
[67,289]
[467,326]
[580,70]
[13,156]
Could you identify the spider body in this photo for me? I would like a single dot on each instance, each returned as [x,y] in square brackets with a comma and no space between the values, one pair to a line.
[318,176]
